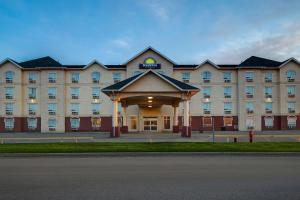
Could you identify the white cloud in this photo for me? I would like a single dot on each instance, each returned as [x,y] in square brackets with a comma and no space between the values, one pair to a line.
[122,43]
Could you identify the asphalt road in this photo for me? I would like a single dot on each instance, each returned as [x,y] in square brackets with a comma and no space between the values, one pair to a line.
[150,177]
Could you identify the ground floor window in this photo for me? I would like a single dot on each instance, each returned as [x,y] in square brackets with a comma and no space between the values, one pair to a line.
[96,122]
[207,121]
[167,122]
[250,122]
[228,121]
[52,124]
[291,121]
[75,123]
[269,121]
[32,123]
[133,122]
[9,123]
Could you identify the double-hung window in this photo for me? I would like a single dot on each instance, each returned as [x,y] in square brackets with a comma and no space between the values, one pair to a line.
[268,77]
[227,91]
[32,107]
[227,107]
[227,77]
[249,76]
[206,76]
[52,92]
[52,107]
[52,77]
[9,108]
[52,124]
[32,77]
[292,121]
[32,123]
[291,107]
[249,91]
[269,121]
[96,92]
[74,108]
[186,77]
[268,92]
[291,91]
[249,107]
[117,77]
[268,107]
[32,93]
[75,92]
[96,77]
[9,92]
[207,107]
[206,92]
[9,123]
[9,76]
[75,77]
[96,108]
[75,123]
[290,75]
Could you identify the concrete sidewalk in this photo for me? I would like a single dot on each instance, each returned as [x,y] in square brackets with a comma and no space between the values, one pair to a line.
[274,136]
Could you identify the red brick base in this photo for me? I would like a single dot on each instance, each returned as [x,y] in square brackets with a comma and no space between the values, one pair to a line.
[186,131]
[124,129]
[175,129]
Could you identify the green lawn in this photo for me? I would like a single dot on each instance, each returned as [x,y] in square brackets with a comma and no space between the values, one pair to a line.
[150,147]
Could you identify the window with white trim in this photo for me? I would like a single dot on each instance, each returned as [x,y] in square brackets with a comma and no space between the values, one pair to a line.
[228,121]
[291,89]
[268,92]
[249,76]
[96,122]
[96,93]
[52,92]
[75,123]
[9,108]
[9,92]
[269,107]
[74,108]
[227,107]
[52,77]
[96,77]
[75,77]
[52,107]
[250,123]
[116,77]
[52,124]
[9,123]
[75,92]
[249,107]
[96,108]
[227,77]
[227,92]
[133,122]
[268,77]
[206,92]
[9,76]
[186,76]
[167,122]
[32,77]
[292,121]
[206,76]
[207,107]
[291,107]
[249,91]
[269,121]
[32,93]
[290,75]
[32,123]
[32,107]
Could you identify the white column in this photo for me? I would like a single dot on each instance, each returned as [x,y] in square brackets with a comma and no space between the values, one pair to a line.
[124,116]
[175,118]
[186,111]
[115,113]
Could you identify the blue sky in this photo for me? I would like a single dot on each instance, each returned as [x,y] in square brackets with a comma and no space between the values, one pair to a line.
[112,31]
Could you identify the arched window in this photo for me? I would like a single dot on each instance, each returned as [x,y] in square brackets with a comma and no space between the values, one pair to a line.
[9,76]
[206,76]
[96,77]
[290,75]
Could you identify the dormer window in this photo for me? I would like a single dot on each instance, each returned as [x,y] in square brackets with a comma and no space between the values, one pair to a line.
[206,76]
[96,77]
[290,75]
[9,76]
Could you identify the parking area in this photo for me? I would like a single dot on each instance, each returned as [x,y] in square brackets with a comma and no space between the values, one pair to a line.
[291,136]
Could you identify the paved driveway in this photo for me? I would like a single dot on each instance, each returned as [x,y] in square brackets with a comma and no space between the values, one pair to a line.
[146,137]
[151,177]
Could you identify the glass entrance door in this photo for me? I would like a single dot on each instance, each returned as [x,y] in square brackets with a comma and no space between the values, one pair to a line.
[150,124]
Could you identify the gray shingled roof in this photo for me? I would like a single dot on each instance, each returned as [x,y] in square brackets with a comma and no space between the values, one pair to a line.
[255,61]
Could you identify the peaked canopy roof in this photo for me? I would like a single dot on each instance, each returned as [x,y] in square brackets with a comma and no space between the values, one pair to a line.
[118,87]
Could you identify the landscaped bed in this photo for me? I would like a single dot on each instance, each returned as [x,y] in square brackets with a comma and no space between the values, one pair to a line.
[150,147]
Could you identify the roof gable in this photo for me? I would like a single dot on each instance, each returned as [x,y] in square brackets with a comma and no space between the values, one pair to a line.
[149,49]
[11,61]
[41,62]
[288,61]
[255,61]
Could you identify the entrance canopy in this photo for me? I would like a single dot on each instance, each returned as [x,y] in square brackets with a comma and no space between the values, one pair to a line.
[141,88]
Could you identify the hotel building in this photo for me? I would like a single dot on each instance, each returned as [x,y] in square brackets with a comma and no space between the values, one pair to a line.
[149,92]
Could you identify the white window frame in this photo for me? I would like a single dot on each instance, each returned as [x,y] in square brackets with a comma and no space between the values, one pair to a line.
[32,77]
[9,126]
[75,126]
[52,123]
[74,108]
[206,109]
[75,77]
[117,77]
[52,77]
[96,76]
[9,76]
[227,76]
[249,76]
[75,92]
[227,107]
[31,123]
[52,92]
[96,107]
[32,92]
[268,77]
[9,108]
[227,92]
[206,76]
[186,76]
[52,108]
[9,92]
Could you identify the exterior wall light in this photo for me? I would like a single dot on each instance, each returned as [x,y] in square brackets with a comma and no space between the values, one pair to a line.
[150,97]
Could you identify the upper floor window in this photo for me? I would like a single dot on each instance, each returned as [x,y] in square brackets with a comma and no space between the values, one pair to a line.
[96,108]
[52,93]
[206,92]
[52,124]
[268,92]
[268,77]
[52,77]
[268,107]
[9,108]
[291,91]
[290,75]
[32,93]
[249,76]
[227,107]
[117,77]
[52,107]
[136,73]
[32,77]
[9,76]
[32,107]
[249,91]
[206,76]
[75,77]
[96,92]
[227,92]
[227,77]
[291,107]
[96,77]
[74,108]
[75,92]
[9,92]
[186,77]
[249,107]
[206,107]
